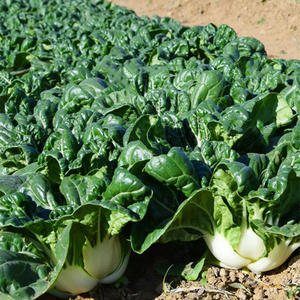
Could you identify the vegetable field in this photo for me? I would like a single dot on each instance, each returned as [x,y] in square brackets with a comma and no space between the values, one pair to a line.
[137,149]
[274,23]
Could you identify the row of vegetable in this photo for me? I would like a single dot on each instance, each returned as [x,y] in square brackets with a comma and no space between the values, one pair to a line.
[118,132]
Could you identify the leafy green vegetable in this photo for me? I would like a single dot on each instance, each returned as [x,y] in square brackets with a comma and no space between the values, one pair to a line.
[119,132]
[69,237]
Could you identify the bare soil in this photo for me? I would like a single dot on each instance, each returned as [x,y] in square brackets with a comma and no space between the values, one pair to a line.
[276,23]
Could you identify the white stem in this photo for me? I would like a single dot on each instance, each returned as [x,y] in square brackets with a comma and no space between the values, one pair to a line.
[74,280]
[118,273]
[222,250]
[276,257]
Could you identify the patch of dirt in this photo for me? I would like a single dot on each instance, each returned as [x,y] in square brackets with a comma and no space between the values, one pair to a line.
[276,23]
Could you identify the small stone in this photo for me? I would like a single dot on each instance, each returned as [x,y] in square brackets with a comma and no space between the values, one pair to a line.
[241,276]
[211,279]
[221,284]
[240,294]
[223,272]
[258,294]
[216,271]
[232,276]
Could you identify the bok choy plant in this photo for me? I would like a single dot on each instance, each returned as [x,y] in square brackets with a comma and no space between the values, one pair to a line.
[248,213]
[64,249]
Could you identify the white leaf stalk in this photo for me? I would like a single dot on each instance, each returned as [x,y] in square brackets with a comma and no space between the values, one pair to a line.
[250,251]
[104,262]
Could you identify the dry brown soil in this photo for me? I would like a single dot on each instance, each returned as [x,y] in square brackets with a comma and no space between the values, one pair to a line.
[276,24]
